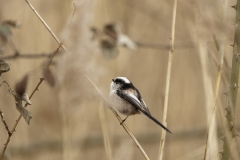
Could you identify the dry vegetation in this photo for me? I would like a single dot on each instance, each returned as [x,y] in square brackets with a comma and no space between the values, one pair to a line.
[68,117]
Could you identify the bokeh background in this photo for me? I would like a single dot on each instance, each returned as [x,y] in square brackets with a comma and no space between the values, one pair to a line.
[68,118]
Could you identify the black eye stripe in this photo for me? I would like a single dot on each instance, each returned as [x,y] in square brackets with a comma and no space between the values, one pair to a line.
[119,81]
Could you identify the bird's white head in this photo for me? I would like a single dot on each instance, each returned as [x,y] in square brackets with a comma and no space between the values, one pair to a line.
[118,82]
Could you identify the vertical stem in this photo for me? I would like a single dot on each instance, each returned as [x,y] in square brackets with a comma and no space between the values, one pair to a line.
[162,142]
[230,131]
[218,80]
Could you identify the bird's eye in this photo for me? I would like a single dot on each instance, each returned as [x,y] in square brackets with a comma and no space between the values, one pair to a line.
[116,82]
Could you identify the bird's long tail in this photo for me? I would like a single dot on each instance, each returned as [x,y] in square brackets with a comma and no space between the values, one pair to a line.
[152,118]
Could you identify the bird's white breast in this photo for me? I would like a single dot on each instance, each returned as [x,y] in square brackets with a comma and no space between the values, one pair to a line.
[121,105]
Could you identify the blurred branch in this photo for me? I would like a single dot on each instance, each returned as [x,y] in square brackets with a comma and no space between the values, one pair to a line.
[45,24]
[96,141]
[119,119]
[182,45]
[20,116]
[171,50]
[27,56]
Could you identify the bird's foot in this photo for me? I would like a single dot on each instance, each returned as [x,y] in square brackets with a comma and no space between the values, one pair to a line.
[122,121]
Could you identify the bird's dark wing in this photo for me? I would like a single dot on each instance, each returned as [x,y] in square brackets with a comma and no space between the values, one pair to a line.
[132,99]
[144,106]
[139,97]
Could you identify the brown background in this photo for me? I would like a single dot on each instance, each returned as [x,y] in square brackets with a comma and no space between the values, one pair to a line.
[66,123]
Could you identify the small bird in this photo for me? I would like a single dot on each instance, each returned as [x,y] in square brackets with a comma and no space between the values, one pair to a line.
[127,100]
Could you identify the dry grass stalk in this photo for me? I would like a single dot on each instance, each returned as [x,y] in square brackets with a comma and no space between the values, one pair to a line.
[163,136]
[119,119]
[45,24]
[105,132]
[211,124]
[208,93]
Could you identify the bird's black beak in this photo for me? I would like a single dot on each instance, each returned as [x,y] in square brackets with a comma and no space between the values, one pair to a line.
[113,80]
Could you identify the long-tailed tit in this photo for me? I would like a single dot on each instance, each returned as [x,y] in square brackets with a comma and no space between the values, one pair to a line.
[127,100]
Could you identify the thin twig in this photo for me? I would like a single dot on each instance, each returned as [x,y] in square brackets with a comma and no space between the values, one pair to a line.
[119,119]
[55,52]
[163,136]
[9,88]
[45,24]
[5,123]
[20,116]
[15,125]
[5,82]
[218,80]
